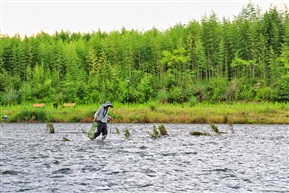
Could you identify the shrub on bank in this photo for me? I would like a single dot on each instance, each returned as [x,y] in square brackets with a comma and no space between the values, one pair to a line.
[31,115]
[243,113]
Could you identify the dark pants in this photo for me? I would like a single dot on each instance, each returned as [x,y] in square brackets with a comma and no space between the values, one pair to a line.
[101,128]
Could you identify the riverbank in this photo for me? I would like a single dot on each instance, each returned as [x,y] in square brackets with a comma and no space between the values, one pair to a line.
[235,113]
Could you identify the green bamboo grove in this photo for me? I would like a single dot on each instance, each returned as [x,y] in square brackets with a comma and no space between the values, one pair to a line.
[245,58]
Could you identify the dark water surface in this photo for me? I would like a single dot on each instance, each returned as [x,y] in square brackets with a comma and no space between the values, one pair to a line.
[252,159]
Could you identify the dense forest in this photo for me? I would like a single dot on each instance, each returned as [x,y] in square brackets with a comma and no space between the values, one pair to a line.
[245,58]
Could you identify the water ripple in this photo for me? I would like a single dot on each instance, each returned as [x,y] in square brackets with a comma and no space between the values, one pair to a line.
[253,159]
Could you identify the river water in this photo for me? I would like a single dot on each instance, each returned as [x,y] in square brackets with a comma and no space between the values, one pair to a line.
[252,159]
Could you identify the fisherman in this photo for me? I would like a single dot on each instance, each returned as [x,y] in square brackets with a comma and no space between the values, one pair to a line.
[101,117]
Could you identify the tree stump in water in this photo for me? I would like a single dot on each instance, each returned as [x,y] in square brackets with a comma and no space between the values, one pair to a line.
[163,130]
[127,134]
[214,128]
[198,133]
[65,139]
[50,128]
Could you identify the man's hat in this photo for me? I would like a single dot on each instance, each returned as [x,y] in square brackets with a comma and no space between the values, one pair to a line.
[107,103]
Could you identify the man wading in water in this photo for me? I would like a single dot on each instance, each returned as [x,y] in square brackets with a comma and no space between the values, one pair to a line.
[101,117]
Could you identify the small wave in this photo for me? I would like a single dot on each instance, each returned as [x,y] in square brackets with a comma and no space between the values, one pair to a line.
[192,152]
[143,147]
[169,154]
[63,171]
[220,170]
[10,172]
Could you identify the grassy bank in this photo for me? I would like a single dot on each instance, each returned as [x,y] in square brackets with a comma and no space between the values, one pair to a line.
[241,113]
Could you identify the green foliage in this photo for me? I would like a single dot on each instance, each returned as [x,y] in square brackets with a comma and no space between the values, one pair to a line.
[155,133]
[200,90]
[153,105]
[24,115]
[193,101]
[201,60]
[127,133]
[144,90]
[246,93]
[163,130]
[203,112]
[41,115]
[215,129]
[116,131]
[158,132]
[25,93]
[162,96]
[217,89]
[10,97]
[32,115]
[198,133]
[265,94]
[233,90]
[176,95]
[281,92]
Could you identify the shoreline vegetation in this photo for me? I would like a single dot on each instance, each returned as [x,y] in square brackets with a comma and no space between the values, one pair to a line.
[210,60]
[153,112]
